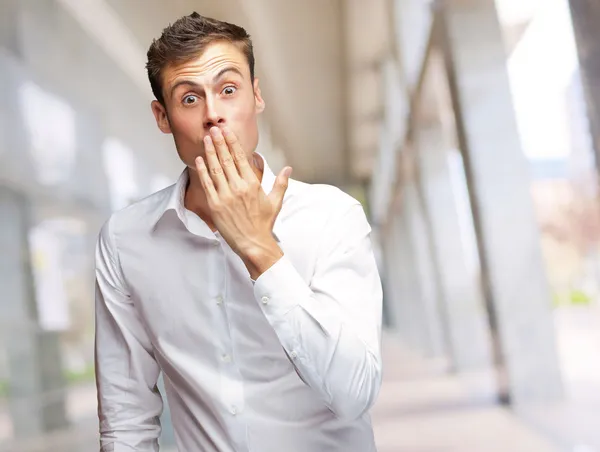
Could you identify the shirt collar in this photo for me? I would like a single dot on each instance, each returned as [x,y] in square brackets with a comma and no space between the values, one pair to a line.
[174,198]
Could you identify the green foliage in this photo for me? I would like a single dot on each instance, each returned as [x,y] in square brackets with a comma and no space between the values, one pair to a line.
[72,378]
[575,297]
[578,297]
[79,377]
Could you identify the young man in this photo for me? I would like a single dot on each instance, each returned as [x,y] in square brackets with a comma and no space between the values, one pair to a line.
[257,296]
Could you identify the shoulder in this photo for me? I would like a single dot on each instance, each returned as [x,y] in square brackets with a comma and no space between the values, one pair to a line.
[325,196]
[323,199]
[139,216]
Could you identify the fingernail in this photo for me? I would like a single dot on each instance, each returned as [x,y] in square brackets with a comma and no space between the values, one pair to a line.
[198,160]
[214,131]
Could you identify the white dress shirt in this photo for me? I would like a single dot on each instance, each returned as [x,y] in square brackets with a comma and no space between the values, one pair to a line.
[289,363]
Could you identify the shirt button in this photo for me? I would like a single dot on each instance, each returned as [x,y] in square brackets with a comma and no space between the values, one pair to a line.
[226,357]
[215,243]
[233,410]
[265,300]
[293,354]
[219,299]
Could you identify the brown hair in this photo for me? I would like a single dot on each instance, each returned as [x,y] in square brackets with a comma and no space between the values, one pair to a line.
[185,39]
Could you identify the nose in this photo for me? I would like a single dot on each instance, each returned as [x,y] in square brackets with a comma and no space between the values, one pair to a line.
[213,116]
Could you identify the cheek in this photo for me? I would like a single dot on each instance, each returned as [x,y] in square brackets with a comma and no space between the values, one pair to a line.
[186,123]
[188,131]
[245,126]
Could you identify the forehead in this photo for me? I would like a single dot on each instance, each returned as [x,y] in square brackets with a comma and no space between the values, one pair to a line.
[203,67]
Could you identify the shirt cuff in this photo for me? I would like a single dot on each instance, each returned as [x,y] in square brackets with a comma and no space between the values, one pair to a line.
[280,289]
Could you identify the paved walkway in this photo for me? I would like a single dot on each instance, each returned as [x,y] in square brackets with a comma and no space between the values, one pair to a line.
[423,409]
[420,409]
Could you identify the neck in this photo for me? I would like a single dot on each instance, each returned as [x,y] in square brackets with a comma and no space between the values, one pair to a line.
[195,197]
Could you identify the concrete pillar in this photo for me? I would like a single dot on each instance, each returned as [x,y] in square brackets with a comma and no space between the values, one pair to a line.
[515,286]
[415,316]
[465,317]
[388,275]
[405,297]
[36,384]
[423,270]
[167,436]
[586,16]
[392,289]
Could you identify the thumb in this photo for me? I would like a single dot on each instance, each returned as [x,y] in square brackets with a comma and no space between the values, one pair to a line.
[280,187]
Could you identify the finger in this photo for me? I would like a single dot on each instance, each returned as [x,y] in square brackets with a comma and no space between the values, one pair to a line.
[214,166]
[225,157]
[279,188]
[239,156]
[206,180]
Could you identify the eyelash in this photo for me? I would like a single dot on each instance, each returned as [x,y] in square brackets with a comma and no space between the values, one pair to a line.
[188,96]
[193,95]
[229,86]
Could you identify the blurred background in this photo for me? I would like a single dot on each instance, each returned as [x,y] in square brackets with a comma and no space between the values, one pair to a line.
[467,128]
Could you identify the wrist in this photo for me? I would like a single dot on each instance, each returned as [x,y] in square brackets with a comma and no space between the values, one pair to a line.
[258,259]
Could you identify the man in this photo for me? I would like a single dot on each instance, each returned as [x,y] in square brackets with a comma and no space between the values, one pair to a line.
[257,296]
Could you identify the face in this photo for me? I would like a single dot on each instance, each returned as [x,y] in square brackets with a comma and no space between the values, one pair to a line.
[213,89]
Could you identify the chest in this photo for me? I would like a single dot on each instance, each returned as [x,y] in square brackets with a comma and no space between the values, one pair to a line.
[192,291]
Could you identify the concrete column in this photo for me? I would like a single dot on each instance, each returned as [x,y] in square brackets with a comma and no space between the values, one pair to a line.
[469,342]
[408,284]
[586,16]
[423,270]
[410,322]
[392,266]
[388,275]
[514,282]
[35,381]
[167,437]
[36,384]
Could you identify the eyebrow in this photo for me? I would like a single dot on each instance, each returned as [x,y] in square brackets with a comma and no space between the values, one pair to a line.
[225,70]
[182,83]
[193,84]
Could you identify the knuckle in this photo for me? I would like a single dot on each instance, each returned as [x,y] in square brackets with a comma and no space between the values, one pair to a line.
[227,161]
[241,190]
[226,199]
[217,170]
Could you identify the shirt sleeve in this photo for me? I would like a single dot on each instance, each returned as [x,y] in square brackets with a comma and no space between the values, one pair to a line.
[129,404]
[331,327]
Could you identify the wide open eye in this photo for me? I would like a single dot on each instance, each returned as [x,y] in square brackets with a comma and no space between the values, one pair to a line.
[190,99]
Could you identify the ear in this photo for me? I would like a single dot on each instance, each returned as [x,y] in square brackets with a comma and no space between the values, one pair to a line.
[160,114]
[258,100]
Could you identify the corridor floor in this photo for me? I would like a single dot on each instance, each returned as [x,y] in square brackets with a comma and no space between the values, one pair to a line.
[423,409]
[420,409]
